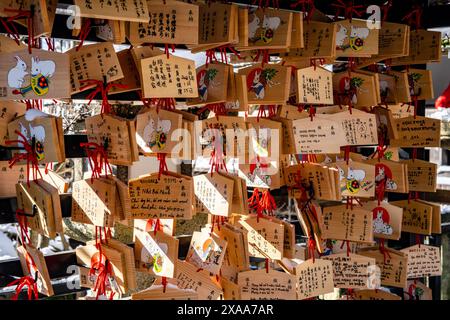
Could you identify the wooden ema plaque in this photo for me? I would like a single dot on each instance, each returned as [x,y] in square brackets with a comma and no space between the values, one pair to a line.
[268,84]
[217,24]
[213,81]
[360,87]
[264,237]
[231,290]
[127,10]
[423,261]
[319,42]
[419,132]
[318,136]
[189,277]
[376,294]
[214,194]
[206,251]
[169,197]
[314,278]
[360,128]
[173,22]
[351,271]
[9,110]
[356,179]
[47,131]
[263,285]
[119,136]
[315,86]
[155,253]
[35,196]
[156,131]
[341,223]
[424,47]
[393,39]
[172,77]
[16,173]
[417,216]
[43,18]
[93,62]
[416,290]
[422,175]
[236,253]
[387,219]
[94,202]
[32,260]
[355,39]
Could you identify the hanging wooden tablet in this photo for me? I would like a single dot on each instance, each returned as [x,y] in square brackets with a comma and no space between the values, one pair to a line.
[287,135]
[170,196]
[129,259]
[416,290]
[262,174]
[418,132]
[289,239]
[93,62]
[155,253]
[360,88]
[40,75]
[314,278]
[355,39]
[212,83]
[265,140]
[315,86]
[156,131]
[351,271]
[8,111]
[268,84]
[392,263]
[189,277]
[375,295]
[214,194]
[323,180]
[229,131]
[17,173]
[341,223]
[35,200]
[436,226]
[417,216]
[231,290]
[115,132]
[317,136]
[420,84]
[169,292]
[206,252]
[239,203]
[47,131]
[319,42]
[269,29]
[356,179]
[424,47]
[56,181]
[422,175]
[402,87]
[173,77]
[264,236]
[393,39]
[174,22]
[93,202]
[43,18]
[32,261]
[147,225]
[127,10]
[423,261]
[89,254]
[387,219]
[131,80]
[392,174]
[8,44]
[236,254]
[385,123]
[262,285]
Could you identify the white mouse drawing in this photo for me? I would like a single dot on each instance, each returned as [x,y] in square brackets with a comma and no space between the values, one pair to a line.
[341,35]
[45,67]
[271,22]
[38,132]
[357,32]
[356,174]
[253,26]
[17,74]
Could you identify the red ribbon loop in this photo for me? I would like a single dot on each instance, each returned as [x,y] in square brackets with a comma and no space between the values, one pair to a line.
[84,32]
[162,164]
[103,88]
[12,30]
[348,8]
[26,281]
[414,17]
[98,159]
